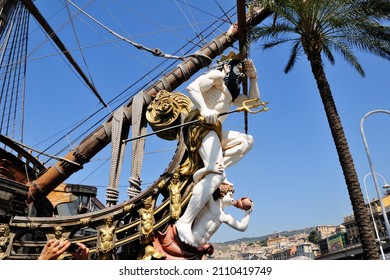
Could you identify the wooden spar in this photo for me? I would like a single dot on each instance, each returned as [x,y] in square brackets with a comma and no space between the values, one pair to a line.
[45,25]
[97,140]
[242,27]
[242,43]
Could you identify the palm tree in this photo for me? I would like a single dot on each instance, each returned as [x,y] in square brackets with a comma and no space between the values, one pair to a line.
[319,27]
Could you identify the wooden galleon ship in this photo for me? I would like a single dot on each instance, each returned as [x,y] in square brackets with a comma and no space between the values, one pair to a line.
[35,203]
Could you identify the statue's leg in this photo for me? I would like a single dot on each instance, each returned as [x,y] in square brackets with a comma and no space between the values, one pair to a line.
[235,145]
[208,180]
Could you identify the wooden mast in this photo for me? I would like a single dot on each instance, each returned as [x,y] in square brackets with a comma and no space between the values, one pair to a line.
[242,43]
[97,140]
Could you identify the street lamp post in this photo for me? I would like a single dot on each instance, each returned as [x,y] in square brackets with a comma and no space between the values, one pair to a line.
[373,173]
[372,215]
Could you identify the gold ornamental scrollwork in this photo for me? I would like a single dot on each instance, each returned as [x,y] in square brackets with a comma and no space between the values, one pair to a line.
[152,253]
[128,208]
[165,111]
[85,221]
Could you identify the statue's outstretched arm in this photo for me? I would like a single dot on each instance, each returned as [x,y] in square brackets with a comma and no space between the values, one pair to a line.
[234,223]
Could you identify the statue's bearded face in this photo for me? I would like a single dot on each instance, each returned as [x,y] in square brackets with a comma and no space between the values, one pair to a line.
[234,78]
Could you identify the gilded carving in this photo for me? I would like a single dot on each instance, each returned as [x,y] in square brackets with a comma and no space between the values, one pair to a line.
[146,221]
[58,231]
[175,196]
[107,240]
[161,184]
[164,112]
[85,221]
[128,208]
[151,252]
[4,240]
[33,226]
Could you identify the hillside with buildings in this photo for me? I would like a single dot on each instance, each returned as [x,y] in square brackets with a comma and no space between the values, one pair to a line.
[276,246]
[265,237]
[323,242]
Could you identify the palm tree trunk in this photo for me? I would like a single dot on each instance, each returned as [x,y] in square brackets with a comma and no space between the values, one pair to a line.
[360,211]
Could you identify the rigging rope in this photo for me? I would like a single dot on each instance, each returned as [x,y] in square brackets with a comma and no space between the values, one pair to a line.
[78,44]
[225,14]
[118,151]
[13,66]
[138,127]
[197,33]
[143,86]
[155,52]
[43,153]
[168,29]
[214,26]
[54,37]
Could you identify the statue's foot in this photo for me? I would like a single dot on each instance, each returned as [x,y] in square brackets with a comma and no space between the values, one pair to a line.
[184,233]
[226,182]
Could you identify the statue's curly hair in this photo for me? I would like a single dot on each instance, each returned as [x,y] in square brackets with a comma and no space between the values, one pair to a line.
[222,191]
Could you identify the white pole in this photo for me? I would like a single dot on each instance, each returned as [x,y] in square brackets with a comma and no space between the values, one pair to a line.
[373,218]
[387,225]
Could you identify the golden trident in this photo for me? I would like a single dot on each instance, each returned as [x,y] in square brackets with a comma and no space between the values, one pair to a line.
[245,107]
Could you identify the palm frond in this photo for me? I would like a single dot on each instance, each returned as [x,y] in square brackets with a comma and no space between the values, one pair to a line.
[372,38]
[340,25]
[375,9]
[328,53]
[293,57]
[349,57]
[281,29]
[274,43]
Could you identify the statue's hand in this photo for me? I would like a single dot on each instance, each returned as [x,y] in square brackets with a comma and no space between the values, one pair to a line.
[244,203]
[249,210]
[250,69]
[209,115]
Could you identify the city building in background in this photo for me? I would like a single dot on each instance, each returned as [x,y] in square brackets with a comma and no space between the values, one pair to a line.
[331,242]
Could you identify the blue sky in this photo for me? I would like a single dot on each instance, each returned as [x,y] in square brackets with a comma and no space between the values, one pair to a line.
[292,173]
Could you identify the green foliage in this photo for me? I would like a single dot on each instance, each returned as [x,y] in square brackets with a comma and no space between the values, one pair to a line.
[326,26]
[314,237]
[318,28]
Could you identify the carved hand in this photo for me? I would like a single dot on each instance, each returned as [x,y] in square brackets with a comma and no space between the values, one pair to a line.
[250,69]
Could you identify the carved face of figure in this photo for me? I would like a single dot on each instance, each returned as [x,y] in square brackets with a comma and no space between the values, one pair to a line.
[58,231]
[237,69]
[227,200]
[148,202]
[233,77]
[223,191]
[109,220]
[4,231]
